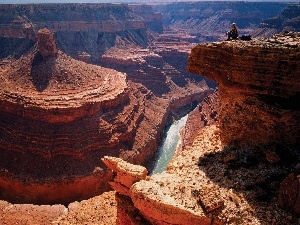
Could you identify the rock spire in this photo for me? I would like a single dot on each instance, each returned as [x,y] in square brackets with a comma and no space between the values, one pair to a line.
[46,43]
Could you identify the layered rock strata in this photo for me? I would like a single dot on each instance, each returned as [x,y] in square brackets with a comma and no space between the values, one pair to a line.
[205,114]
[258,87]
[79,28]
[287,20]
[87,110]
[150,200]
[46,43]
[259,94]
[153,19]
[204,21]
[162,71]
[59,115]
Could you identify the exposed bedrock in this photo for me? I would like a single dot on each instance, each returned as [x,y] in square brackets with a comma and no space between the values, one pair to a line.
[210,20]
[287,20]
[205,114]
[259,100]
[58,117]
[152,19]
[152,200]
[46,43]
[80,29]
[258,88]
[157,70]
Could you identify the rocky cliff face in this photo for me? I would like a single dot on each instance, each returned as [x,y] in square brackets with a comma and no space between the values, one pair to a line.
[205,114]
[75,104]
[258,87]
[152,19]
[88,28]
[58,116]
[287,20]
[259,90]
[209,21]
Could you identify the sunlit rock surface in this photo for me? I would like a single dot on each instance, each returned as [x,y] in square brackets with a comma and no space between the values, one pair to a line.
[259,114]
[55,123]
[258,87]
[152,200]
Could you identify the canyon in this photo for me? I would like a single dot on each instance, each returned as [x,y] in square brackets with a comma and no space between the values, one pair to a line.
[145,51]
[59,116]
[218,177]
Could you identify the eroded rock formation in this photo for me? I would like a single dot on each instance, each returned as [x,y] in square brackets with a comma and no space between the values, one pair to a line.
[79,28]
[152,19]
[205,114]
[203,21]
[259,94]
[58,115]
[46,43]
[150,200]
[287,20]
[258,87]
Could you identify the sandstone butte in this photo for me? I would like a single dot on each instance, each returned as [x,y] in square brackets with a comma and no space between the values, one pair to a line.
[56,121]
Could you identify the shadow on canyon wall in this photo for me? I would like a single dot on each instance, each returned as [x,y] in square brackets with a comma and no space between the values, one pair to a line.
[41,71]
[254,172]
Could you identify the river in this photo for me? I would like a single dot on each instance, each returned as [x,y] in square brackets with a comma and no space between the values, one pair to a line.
[170,142]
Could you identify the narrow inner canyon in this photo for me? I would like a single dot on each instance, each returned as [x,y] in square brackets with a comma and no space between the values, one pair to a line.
[171,141]
[137,114]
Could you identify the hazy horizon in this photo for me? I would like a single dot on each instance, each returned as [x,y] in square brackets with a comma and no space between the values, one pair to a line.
[129,1]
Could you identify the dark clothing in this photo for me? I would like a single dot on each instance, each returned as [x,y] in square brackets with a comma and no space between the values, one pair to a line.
[233,33]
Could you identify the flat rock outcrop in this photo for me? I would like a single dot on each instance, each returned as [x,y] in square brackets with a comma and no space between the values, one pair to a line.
[151,200]
[258,88]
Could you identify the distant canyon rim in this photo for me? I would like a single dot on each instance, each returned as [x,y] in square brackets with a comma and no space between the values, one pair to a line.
[106,81]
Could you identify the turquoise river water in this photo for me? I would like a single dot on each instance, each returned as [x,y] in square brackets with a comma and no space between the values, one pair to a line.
[169,145]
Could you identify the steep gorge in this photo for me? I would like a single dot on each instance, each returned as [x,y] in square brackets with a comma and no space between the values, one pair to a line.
[148,103]
[59,116]
[220,177]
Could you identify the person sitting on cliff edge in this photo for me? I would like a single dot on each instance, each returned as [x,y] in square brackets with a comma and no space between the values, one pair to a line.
[233,33]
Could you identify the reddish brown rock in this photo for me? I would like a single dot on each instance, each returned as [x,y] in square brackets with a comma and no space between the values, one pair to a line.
[289,196]
[46,43]
[30,214]
[56,121]
[258,87]
[91,28]
[151,200]
[205,114]
[126,174]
